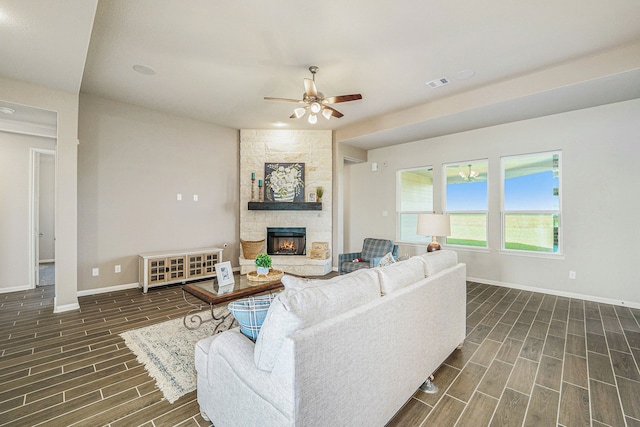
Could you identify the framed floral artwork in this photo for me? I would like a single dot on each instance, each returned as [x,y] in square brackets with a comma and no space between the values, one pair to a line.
[284,182]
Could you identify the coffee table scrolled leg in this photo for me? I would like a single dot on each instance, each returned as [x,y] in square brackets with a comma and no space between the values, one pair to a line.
[194,321]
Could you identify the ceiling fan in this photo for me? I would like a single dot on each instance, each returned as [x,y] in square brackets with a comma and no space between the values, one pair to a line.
[315,102]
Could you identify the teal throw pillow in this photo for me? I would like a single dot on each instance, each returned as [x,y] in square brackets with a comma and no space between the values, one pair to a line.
[250,313]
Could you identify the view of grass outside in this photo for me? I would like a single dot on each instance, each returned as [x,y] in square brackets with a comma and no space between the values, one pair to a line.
[469,230]
[531,202]
[467,202]
[531,232]
[415,187]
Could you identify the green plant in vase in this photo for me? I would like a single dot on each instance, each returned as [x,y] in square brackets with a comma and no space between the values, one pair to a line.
[319,193]
[263,264]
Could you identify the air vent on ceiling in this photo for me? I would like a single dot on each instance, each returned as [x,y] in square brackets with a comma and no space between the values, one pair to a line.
[438,82]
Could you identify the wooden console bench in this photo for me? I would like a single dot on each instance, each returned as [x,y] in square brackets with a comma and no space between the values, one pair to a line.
[164,268]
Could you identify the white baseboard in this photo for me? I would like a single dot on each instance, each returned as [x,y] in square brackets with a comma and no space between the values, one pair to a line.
[108,289]
[63,308]
[15,289]
[557,293]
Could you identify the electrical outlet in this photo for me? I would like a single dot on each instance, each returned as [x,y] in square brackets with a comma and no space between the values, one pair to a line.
[195,197]
[95,272]
[572,274]
[118,269]
[179,197]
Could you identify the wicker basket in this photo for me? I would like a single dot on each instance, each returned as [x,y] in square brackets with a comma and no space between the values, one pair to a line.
[271,277]
[250,249]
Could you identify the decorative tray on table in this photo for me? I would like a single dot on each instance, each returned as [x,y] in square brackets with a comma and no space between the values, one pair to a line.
[272,276]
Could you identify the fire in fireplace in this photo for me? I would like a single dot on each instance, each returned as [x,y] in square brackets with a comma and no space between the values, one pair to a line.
[286,240]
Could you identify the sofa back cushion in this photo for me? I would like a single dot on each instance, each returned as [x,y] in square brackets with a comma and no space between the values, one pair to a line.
[435,262]
[375,248]
[400,274]
[293,282]
[298,308]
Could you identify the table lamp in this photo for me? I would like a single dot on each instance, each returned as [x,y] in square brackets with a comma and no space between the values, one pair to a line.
[434,225]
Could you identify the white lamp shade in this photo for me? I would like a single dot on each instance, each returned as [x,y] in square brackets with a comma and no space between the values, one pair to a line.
[313,119]
[327,113]
[434,225]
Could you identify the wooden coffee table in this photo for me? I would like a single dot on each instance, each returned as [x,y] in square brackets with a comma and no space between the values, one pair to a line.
[207,294]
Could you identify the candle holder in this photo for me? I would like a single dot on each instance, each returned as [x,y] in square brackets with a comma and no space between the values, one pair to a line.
[260,191]
[253,196]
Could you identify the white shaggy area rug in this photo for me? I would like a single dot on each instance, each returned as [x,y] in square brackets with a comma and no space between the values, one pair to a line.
[167,351]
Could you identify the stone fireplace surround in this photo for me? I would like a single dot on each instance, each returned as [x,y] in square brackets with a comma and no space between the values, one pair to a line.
[314,149]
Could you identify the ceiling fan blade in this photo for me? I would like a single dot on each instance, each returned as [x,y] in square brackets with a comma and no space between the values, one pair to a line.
[335,113]
[310,88]
[297,101]
[342,98]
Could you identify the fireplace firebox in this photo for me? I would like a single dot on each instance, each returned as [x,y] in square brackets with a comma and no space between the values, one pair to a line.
[286,240]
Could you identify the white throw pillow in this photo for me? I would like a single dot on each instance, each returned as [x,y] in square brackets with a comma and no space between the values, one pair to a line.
[387,260]
[400,274]
[294,309]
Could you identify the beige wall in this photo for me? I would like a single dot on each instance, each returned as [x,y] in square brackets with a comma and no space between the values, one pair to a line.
[132,163]
[600,177]
[15,224]
[66,106]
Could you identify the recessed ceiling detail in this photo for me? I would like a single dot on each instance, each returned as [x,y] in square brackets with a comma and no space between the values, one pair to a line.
[438,82]
[144,69]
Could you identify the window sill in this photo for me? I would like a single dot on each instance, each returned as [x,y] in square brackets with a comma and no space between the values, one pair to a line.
[467,248]
[557,256]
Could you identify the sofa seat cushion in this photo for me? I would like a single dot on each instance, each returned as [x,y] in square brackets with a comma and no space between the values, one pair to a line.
[294,309]
[435,262]
[349,267]
[250,313]
[400,274]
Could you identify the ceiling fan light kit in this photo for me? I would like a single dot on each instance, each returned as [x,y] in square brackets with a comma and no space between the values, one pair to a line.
[315,101]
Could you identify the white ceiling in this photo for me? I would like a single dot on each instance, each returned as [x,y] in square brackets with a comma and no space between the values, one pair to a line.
[216,60]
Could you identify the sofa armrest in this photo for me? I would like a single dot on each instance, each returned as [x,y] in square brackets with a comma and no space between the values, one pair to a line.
[349,257]
[231,354]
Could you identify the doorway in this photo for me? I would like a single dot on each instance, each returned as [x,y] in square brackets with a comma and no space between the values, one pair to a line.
[43,217]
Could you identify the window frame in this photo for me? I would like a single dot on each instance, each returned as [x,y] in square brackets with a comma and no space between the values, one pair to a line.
[453,212]
[504,212]
[400,212]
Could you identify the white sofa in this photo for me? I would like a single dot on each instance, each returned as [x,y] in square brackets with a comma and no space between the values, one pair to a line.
[349,351]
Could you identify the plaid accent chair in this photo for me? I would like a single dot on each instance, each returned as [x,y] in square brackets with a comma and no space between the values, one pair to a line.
[372,251]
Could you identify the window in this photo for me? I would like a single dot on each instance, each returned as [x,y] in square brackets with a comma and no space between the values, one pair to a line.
[531,202]
[415,196]
[467,202]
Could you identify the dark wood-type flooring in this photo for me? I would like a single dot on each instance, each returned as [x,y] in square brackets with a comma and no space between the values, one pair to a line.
[529,359]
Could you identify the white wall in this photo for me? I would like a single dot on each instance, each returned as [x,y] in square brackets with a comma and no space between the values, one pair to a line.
[15,183]
[600,177]
[132,162]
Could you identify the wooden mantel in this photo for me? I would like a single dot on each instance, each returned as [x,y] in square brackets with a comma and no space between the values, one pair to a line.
[285,206]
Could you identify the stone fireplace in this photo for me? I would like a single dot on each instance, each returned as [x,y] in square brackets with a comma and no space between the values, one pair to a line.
[314,149]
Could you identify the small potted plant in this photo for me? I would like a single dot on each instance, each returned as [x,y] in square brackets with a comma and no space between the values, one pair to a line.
[319,193]
[263,264]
